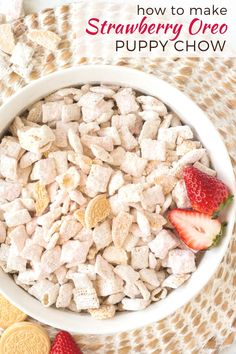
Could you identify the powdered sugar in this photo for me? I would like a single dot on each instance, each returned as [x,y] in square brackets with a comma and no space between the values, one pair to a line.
[86,182]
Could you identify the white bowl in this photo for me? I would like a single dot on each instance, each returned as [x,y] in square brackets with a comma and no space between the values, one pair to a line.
[205,132]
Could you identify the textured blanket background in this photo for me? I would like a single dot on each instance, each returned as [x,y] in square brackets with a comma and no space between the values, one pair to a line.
[208,323]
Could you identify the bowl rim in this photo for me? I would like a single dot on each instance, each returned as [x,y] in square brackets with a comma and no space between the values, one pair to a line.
[137,80]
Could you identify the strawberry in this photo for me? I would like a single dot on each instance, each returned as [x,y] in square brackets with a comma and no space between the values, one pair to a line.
[64,344]
[207,194]
[197,230]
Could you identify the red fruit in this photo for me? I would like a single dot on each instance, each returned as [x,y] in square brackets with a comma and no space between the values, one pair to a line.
[207,194]
[64,344]
[197,230]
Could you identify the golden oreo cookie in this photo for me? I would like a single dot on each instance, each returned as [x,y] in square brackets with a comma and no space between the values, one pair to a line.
[25,338]
[9,314]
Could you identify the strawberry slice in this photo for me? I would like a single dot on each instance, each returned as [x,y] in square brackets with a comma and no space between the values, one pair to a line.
[197,230]
[64,343]
[207,194]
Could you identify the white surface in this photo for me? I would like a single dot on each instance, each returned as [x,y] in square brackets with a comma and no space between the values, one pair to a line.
[37,5]
[205,131]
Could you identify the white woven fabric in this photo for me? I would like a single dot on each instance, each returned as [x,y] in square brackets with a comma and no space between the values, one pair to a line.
[207,323]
